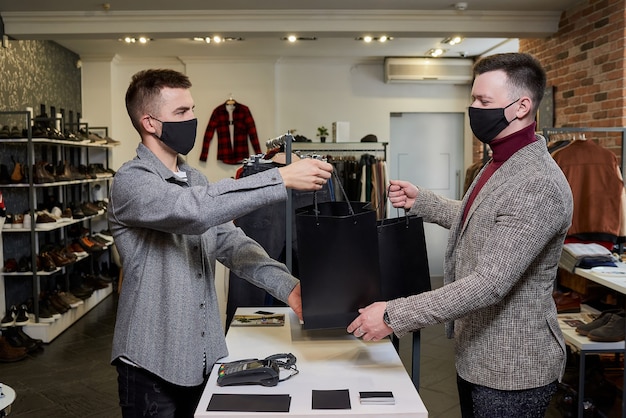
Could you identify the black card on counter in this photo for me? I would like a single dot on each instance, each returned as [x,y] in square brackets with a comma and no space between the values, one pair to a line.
[249,403]
[331,399]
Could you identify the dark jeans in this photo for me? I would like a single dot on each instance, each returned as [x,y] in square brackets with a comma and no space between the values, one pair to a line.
[482,402]
[143,394]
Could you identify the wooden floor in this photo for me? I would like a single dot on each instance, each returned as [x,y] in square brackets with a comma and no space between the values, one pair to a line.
[72,377]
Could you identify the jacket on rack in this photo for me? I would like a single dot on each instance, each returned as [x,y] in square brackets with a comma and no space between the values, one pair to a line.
[595,179]
[243,129]
[506,330]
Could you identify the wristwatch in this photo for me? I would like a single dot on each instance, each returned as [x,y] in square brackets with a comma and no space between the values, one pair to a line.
[386,319]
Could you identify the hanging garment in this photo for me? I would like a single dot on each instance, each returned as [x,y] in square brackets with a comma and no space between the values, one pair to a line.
[593,174]
[235,151]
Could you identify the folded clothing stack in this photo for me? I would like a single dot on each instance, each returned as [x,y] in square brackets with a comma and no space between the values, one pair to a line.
[585,256]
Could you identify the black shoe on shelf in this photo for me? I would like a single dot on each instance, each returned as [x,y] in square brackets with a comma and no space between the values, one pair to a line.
[22,315]
[9,318]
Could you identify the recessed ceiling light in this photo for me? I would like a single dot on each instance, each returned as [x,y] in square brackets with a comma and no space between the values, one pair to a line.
[133,40]
[368,38]
[452,40]
[294,38]
[217,39]
[435,52]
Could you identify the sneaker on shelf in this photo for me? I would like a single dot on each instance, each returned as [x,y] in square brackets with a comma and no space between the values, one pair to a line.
[18,221]
[70,299]
[22,315]
[108,239]
[45,315]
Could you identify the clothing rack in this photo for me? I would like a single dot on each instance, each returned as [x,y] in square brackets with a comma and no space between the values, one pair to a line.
[342,147]
[552,131]
[285,140]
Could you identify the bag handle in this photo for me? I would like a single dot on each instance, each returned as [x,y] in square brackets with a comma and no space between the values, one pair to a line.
[406,212]
[343,192]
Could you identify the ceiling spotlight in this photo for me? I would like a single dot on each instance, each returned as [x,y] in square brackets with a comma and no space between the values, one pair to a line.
[216,39]
[294,38]
[452,40]
[460,6]
[435,52]
[132,40]
[368,38]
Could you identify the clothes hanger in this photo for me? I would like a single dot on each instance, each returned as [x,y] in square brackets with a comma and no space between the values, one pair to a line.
[230,100]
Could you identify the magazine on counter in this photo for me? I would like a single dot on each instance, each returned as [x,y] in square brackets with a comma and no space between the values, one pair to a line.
[251,320]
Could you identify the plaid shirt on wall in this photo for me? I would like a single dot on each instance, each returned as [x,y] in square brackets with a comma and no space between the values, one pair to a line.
[244,127]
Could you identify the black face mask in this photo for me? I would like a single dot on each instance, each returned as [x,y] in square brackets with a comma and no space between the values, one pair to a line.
[179,136]
[488,123]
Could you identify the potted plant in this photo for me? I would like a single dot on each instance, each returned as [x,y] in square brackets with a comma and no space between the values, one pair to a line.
[322,132]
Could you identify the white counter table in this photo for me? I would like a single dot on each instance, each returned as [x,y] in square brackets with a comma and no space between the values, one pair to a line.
[327,360]
[613,278]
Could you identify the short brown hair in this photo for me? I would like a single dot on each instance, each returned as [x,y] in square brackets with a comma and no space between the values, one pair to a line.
[524,72]
[144,92]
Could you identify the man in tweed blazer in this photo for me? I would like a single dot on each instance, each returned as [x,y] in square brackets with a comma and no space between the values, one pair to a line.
[170,226]
[505,241]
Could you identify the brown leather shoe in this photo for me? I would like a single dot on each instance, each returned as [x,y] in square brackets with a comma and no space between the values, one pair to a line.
[8,353]
[566,302]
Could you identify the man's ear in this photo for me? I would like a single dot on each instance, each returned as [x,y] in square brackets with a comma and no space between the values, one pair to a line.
[524,108]
[147,124]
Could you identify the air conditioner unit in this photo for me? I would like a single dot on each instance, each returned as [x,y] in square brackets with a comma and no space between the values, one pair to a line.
[431,70]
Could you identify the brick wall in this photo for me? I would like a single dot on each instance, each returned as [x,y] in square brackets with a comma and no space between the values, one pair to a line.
[585,64]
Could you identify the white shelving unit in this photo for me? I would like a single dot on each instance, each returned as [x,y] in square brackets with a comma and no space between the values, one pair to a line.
[59,150]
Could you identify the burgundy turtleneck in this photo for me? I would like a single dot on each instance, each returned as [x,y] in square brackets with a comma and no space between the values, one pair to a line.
[502,149]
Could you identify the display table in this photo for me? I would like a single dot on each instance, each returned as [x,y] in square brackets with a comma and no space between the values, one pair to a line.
[327,360]
[7,396]
[614,278]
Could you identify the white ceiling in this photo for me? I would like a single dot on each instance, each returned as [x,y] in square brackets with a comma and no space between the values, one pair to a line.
[92,29]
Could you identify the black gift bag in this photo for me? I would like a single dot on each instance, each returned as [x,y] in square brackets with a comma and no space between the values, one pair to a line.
[402,256]
[339,268]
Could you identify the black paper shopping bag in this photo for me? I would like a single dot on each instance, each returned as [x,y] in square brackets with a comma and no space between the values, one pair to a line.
[339,268]
[402,256]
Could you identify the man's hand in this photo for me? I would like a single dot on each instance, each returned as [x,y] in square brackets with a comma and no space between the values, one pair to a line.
[294,300]
[402,194]
[307,174]
[369,325]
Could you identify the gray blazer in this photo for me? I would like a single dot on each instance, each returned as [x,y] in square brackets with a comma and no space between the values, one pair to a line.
[500,268]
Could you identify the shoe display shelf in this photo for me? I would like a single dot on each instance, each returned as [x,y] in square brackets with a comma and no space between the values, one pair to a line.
[613,278]
[49,331]
[28,193]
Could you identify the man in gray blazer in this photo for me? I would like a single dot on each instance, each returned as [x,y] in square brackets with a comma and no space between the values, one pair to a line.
[170,225]
[505,241]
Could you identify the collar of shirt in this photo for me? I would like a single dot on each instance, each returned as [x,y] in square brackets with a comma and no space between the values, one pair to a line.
[504,148]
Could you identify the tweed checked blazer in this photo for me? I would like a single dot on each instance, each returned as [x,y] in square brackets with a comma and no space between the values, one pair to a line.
[500,267]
